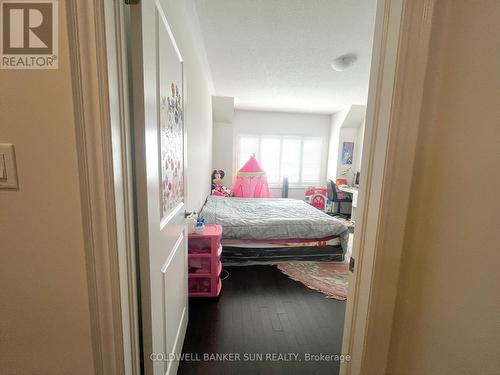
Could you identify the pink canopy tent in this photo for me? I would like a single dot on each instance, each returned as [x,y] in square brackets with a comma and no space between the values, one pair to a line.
[251,181]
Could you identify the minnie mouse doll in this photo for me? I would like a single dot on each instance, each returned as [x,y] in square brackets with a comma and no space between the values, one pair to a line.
[217,187]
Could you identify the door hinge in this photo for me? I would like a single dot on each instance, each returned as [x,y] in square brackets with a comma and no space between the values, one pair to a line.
[351,264]
[132,2]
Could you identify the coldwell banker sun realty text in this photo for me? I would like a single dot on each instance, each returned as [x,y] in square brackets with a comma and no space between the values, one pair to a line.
[29,34]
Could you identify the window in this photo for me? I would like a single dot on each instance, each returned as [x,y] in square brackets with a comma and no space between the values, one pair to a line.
[298,158]
[290,163]
[311,160]
[248,146]
[270,157]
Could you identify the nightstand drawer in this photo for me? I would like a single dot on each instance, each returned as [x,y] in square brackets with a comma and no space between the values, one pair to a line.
[204,286]
[203,265]
[202,245]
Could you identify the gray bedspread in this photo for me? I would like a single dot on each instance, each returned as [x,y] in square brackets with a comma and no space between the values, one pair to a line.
[271,219]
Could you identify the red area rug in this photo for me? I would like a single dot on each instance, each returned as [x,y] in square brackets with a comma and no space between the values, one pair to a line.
[328,278]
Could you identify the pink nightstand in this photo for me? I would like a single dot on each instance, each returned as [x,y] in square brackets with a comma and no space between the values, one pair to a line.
[204,265]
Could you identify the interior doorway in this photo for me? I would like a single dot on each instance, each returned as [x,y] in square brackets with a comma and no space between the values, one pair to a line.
[380,108]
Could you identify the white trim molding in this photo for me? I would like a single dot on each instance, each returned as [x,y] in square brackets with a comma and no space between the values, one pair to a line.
[86,30]
[115,13]
[396,87]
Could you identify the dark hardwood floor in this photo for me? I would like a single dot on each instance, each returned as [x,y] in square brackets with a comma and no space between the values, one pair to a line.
[261,312]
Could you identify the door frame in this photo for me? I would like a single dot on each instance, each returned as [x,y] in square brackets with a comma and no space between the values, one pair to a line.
[399,61]
[99,77]
[98,70]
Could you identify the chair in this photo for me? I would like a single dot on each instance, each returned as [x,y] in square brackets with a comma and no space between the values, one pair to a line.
[337,196]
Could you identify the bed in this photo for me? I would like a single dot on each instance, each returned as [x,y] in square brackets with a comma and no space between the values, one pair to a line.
[275,230]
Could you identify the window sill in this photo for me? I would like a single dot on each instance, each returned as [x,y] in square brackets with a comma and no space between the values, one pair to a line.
[279,186]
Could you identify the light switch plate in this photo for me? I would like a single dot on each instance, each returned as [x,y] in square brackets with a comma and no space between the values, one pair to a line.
[3,169]
[8,173]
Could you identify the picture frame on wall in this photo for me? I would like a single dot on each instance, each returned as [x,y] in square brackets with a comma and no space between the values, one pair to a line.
[347,153]
[171,129]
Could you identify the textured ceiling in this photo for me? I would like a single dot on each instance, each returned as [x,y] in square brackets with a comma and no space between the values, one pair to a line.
[276,54]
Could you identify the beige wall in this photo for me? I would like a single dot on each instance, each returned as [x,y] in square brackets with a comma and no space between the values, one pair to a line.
[44,312]
[448,307]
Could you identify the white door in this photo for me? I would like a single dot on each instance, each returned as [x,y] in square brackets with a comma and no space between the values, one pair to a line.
[159,142]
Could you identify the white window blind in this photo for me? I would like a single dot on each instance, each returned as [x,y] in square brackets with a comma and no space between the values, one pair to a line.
[290,159]
[298,158]
[311,159]
[247,147]
[270,157]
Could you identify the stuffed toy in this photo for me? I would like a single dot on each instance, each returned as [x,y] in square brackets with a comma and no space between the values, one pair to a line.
[217,187]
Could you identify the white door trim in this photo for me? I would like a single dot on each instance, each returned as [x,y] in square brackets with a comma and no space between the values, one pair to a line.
[400,52]
[101,121]
[115,26]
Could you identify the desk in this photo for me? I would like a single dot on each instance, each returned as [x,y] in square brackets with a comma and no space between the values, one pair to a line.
[354,191]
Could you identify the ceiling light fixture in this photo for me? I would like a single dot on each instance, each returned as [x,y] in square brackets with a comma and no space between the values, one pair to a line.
[344,62]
